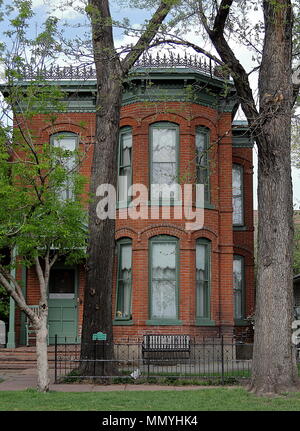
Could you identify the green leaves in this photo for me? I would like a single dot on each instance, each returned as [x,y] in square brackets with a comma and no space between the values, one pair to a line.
[4,304]
[33,216]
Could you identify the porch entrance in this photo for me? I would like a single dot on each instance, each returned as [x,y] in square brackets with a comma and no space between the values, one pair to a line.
[62,316]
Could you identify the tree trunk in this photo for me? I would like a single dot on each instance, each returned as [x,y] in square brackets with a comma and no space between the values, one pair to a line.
[99,271]
[110,75]
[274,362]
[42,355]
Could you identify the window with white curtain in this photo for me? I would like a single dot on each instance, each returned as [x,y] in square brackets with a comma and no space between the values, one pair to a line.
[237,195]
[125,164]
[163,288]
[202,160]
[123,303]
[164,138]
[202,278]
[67,143]
[238,286]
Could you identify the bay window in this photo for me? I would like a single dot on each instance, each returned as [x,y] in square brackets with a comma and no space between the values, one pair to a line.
[202,160]
[124,277]
[238,287]
[67,143]
[237,195]
[164,278]
[125,164]
[202,279]
[164,142]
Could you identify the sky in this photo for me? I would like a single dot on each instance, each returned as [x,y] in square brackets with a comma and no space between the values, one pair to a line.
[71,13]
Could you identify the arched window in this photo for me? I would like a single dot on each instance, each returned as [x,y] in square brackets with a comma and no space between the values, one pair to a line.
[124,279]
[237,195]
[239,287]
[67,143]
[203,252]
[164,270]
[164,165]
[125,164]
[202,160]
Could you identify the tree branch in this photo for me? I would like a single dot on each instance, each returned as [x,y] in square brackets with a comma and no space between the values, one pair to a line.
[147,36]
[228,57]
[203,18]
[53,260]
[39,272]
[16,293]
[188,44]
[221,17]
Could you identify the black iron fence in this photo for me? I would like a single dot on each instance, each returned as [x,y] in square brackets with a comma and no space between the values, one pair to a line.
[221,360]
[196,62]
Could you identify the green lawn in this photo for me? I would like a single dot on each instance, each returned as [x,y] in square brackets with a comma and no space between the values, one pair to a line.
[197,400]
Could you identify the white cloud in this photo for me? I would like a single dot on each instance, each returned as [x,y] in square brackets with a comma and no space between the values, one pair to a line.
[62,9]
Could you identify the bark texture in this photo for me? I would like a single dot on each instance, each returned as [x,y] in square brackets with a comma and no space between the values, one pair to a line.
[43,380]
[98,293]
[111,73]
[39,321]
[274,362]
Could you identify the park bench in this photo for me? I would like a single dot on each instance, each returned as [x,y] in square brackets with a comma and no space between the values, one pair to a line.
[160,345]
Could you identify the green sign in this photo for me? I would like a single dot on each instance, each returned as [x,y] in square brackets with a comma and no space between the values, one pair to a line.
[99,336]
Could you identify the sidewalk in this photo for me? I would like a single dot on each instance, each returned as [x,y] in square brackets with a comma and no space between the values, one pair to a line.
[20,380]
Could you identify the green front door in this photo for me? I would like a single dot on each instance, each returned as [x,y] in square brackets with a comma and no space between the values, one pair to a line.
[62,317]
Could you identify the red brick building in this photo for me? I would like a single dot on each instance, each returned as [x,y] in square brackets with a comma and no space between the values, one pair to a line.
[177,126]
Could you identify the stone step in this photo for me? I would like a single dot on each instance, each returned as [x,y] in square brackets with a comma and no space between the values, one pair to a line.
[21,365]
[25,357]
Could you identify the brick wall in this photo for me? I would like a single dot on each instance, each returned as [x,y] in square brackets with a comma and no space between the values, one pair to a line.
[217,220]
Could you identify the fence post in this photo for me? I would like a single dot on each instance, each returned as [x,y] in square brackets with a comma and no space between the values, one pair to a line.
[55,358]
[222,357]
[95,354]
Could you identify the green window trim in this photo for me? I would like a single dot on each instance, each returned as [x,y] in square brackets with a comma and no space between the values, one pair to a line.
[201,321]
[241,228]
[237,196]
[124,165]
[166,322]
[118,322]
[203,165]
[153,319]
[55,137]
[169,126]
[203,317]
[239,315]
[119,318]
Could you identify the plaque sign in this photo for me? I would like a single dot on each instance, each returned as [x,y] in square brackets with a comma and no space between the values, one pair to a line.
[99,336]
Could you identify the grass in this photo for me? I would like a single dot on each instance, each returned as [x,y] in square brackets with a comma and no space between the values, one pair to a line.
[204,399]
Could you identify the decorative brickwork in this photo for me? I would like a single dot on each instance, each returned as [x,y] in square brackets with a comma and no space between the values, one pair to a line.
[224,239]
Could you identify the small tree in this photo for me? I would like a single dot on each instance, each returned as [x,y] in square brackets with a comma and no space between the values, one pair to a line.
[37,223]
